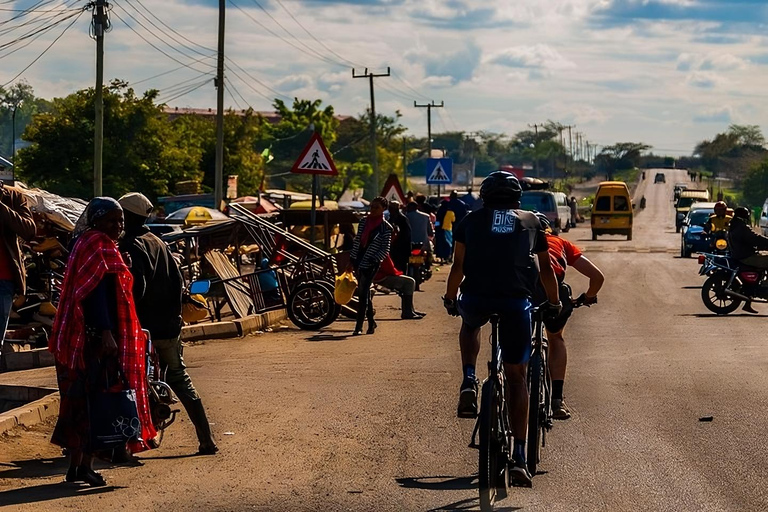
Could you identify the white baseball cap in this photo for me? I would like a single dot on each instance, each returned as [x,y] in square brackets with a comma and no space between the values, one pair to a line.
[137,203]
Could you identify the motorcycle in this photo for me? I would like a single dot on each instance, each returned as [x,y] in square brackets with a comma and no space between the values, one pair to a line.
[418,264]
[729,283]
[161,397]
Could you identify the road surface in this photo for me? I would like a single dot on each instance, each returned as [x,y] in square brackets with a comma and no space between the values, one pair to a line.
[322,421]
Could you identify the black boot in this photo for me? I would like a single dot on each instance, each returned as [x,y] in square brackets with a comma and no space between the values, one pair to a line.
[197,415]
[372,325]
[408,312]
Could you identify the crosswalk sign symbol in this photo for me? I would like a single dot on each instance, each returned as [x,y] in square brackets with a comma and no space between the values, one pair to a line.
[439,171]
[315,159]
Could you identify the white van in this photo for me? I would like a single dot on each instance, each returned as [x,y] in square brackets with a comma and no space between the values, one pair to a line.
[563,211]
[764,219]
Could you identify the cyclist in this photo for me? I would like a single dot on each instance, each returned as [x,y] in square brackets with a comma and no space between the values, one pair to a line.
[563,254]
[494,267]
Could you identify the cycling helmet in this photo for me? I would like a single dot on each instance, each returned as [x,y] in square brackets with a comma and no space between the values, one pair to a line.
[500,188]
[543,220]
[741,212]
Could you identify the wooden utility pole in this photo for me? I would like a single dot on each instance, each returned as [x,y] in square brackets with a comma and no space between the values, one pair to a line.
[429,106]
[99,27]
[218,188]
[374,157]
[535,149]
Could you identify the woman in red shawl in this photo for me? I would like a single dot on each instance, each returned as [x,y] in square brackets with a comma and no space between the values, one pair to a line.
[96,329]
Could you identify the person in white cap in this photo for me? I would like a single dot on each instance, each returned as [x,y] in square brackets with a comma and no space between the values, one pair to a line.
[157,289]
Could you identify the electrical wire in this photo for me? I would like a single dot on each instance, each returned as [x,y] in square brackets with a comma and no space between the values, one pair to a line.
[26,11]
[159,29]
[246,73]
[37,33]
[239,107]
[28,42]
[155,47]
[44,51]
[249,85]
[185,92]
[173,89]
[232,85]
[169,71]
[175,31]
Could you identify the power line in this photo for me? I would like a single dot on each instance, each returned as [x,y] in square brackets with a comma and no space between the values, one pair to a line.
[44,51]
[30,41]
[175,31]
[36,32]
[235,73]
[170,71]
[232,85]
[257,80]
[192,88]
[153,45]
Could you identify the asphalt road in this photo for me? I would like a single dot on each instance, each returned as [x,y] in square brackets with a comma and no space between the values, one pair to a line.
[321,421]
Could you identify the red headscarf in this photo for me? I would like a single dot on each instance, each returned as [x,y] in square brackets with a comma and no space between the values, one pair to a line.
[93,256]
[371,223]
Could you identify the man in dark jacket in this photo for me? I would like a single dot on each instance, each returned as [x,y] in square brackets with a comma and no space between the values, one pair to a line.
[15,222]
[745,244]
[157,290]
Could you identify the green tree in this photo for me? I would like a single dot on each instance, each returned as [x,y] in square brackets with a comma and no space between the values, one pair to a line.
[21,98]
[622,155]
[755,184]
[141,150]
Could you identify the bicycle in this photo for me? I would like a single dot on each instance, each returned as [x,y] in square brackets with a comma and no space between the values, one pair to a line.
[492,425]
[540,387]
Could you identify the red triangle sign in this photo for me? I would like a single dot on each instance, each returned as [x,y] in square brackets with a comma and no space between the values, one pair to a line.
[315,159]
[392,190]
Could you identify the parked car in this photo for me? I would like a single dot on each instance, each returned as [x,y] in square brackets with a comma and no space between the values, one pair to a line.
[684,202]
[763,223]
[612,211]
[563,211]
[660,178]
[693,238]
[544,202]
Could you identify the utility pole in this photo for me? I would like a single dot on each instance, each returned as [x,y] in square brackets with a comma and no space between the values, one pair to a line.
[374,157]
[218,189]
[570,142]
[429,107]
[100,25]
[405,163]
[535,146]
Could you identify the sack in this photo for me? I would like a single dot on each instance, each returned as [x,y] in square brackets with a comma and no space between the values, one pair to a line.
[114,418]
[346,284]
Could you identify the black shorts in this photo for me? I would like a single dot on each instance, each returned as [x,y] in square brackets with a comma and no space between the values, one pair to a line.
[558,324]
[514,323]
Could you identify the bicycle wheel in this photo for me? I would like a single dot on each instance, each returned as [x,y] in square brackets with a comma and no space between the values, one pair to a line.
[492,474]
[534,412]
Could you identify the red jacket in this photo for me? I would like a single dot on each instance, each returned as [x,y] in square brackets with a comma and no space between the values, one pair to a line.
[386,269]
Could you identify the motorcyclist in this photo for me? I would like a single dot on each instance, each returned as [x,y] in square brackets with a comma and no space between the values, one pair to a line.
[720,220]
[745,245]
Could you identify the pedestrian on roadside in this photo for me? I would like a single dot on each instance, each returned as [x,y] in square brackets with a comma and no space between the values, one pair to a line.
[390,277]
[371,247]
[421,227]
[457,206]
[96,332]
[158,288]
[442,246]
[574,211]
[400,249]
[15,222]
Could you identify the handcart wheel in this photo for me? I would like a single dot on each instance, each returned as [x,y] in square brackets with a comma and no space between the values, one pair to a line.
[311,306]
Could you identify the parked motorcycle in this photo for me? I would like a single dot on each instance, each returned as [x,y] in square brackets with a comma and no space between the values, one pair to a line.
[418,264]
[729,283]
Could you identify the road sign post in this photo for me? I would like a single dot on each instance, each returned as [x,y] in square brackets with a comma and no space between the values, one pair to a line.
[315,160]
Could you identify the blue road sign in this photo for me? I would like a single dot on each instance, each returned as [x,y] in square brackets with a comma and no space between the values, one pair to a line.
[439,171]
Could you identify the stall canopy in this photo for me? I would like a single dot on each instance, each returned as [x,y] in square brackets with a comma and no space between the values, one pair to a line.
[61,211]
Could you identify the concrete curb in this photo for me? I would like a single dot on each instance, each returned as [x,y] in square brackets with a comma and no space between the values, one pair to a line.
[28,359]
[233,329]
[31,413]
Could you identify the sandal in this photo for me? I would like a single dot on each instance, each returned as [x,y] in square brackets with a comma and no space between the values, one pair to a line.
[91,477]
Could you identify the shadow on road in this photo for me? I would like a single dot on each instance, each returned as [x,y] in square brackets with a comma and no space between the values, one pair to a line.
[34,468]
[438,483]
[690,287]
[48,492]
[714,315]
[470,504]
[330,337]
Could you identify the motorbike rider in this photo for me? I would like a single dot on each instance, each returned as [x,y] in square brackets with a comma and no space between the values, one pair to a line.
[421,228]
[494,266]
[745,245]
[564,254]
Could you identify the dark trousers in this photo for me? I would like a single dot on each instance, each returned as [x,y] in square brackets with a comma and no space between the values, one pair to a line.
[365,302]
[170,354]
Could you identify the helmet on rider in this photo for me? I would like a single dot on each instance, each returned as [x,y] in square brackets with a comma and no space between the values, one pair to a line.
[544,221]
[721,208]
[501,188]
[742,213]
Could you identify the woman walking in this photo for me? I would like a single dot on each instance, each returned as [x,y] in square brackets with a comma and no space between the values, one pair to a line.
[369,249]
[96,332]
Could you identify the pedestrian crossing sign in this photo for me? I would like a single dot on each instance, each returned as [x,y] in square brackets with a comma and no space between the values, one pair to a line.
[439,171]
[315,159]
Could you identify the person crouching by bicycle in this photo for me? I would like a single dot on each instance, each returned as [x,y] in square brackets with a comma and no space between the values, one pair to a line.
[370,247]
[390,277]
[563,254]
[495,269]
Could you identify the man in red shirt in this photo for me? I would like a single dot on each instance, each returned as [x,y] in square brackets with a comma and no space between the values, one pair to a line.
[563,254]
[389,277]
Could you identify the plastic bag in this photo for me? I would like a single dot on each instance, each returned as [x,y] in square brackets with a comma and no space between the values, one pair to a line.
[346,284]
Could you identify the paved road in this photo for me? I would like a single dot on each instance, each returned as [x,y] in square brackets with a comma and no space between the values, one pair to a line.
[319,421]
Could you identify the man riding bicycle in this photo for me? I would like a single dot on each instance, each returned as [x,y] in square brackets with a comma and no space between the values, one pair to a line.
[564,254]
[496,271]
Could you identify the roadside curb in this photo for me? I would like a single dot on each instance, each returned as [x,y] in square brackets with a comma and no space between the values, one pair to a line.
[27,359]
[234,328]
[31,413]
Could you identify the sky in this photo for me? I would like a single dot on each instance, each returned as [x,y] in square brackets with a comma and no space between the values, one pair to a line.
[668,73]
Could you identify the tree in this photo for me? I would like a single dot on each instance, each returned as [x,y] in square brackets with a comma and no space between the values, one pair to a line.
[755,183]
[141,150]
[622,155]
[21,98]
